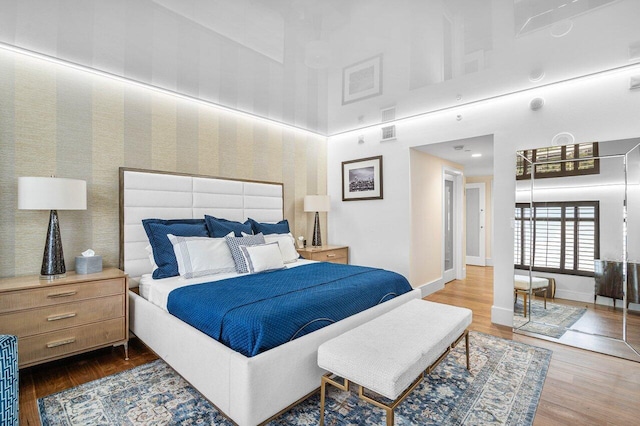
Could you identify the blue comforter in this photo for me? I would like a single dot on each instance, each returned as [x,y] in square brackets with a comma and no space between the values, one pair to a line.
[254,313]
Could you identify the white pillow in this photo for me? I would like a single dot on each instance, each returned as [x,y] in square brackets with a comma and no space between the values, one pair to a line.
[149,250]
[262,257]
[200,256]
[287,245]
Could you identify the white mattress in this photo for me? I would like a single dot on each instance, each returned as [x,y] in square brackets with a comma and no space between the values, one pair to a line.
[157,291]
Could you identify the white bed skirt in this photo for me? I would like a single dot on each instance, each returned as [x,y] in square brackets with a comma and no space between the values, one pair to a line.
[248,390]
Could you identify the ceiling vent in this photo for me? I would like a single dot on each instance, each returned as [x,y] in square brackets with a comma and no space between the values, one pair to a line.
[634,82]
[388,133]
[388,114]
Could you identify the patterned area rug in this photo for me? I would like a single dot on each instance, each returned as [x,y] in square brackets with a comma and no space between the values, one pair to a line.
[503,388]
[553,321]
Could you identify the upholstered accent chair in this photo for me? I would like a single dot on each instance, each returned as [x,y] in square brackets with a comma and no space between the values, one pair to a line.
[8,380]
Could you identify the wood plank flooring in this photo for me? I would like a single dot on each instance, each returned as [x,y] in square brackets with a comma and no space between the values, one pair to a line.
[581,388]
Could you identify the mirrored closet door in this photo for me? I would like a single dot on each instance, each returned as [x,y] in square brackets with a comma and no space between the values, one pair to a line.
[577,245]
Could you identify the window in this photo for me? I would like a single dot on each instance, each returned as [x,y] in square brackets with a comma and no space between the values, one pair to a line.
[567,160]
[565,237]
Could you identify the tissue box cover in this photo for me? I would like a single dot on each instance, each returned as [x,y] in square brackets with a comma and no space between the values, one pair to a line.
[88,265]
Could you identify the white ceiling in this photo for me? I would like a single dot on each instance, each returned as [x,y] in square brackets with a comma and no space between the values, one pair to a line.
[286,59]
[460,151]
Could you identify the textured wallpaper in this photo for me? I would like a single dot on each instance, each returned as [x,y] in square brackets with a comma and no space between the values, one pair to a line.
[60,121]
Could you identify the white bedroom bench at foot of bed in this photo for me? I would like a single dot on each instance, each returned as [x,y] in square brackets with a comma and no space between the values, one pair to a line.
[389,354]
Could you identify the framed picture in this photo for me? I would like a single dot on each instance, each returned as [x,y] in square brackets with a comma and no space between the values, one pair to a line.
[362,80]
[362,179]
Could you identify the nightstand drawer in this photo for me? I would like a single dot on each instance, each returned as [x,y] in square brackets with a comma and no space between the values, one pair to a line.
[54,295]
[60,343]
[57,317]
[330,255]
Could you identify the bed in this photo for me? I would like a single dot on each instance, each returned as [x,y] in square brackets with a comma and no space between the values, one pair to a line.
[239,386]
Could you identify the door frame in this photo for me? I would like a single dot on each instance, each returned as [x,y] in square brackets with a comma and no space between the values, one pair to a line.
[458,271]
[480,260]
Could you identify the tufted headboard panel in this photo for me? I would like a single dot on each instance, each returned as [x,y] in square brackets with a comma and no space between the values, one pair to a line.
[148,194]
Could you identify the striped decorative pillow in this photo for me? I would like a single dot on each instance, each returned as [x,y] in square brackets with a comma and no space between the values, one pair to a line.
[234,245]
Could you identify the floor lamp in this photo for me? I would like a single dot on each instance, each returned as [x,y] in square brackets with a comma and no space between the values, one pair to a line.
[317,203]
[50,193]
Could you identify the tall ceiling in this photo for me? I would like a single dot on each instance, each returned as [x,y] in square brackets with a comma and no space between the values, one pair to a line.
[332,65]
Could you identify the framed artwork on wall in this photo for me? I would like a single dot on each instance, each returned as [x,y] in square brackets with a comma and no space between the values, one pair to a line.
[362,80]
[362,179]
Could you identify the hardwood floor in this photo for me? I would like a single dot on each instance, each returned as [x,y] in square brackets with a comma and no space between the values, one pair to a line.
[581,388]
[597,328]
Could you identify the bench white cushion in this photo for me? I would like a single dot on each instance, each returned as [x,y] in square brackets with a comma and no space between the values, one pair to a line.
[521,282]
[389,352]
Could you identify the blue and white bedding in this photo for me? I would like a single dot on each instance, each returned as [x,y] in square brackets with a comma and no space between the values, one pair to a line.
[254,313]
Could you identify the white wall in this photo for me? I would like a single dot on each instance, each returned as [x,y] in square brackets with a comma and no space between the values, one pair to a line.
[378,232]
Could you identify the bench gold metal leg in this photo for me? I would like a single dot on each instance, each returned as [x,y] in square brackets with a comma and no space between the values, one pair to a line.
[466,343]
[322,392]
[326,379]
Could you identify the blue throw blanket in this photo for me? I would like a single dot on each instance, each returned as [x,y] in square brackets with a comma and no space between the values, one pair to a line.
[254,313]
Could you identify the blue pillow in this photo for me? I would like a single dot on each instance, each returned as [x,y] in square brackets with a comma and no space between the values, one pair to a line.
[234,245]
[157,230]
[220,228]
[281,227]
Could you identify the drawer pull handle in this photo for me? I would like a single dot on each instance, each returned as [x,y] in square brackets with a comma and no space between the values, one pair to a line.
[331,255]
[61,342]
[65,294]
[59,317]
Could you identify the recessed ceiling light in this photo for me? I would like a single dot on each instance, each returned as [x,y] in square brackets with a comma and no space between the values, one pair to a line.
[477,154]
[536,75]
[561,28]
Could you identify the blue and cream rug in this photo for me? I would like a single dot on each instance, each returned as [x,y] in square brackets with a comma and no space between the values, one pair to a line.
[503,388]
[553,321]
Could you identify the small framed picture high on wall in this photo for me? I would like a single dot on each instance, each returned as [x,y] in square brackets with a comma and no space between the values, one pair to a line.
[362,80]
[362,179]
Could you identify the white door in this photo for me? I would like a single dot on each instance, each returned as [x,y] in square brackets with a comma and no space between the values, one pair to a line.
[449,206]
[475,220]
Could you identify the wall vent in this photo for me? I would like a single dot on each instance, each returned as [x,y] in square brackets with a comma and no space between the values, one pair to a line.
[388,133]
[388,114]
[634,82]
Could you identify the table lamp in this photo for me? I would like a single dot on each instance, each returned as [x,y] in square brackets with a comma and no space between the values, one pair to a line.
[317,203]
[51,193]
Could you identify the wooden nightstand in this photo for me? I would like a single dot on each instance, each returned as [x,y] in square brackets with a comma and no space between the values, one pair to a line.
[334,254]
[67,316]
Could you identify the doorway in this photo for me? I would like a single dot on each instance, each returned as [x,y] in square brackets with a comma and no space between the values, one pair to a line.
[452,254]
[475,224]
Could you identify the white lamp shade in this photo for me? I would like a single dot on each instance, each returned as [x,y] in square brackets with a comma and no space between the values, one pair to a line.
[50,193]
[317,203]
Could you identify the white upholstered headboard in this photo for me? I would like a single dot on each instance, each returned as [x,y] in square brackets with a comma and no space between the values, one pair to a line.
[146,194]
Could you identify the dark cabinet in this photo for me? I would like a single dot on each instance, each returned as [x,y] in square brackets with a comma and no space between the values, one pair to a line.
[608,277]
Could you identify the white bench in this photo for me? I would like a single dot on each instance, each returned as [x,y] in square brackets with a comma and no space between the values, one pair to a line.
[390,354]
[522,285]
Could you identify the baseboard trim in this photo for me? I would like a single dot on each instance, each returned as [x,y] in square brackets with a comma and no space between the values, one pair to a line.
[577,296]
[502,316]
[431,287]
